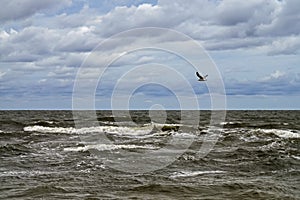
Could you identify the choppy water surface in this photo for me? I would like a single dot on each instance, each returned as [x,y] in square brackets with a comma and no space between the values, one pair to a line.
[43,155]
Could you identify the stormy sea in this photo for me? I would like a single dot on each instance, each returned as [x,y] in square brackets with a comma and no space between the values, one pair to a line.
[44,155]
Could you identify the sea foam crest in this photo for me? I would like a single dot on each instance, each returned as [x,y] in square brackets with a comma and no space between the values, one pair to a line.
[194,173]
[44,129]
[101,129]
[107,147]
[282,133]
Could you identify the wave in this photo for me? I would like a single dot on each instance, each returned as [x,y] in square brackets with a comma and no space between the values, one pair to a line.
[296,157]
[257,125]
[182,174]
[108,147]
[231,123]
[119,130]
[281,133]
[40,191]
[14,149]
[26,173]
[45,129]
[45,123]
[98,129]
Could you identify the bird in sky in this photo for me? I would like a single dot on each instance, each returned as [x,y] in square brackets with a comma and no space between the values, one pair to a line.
[201,78]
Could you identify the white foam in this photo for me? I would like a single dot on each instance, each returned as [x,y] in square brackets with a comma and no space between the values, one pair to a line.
[159,125]
[118,130]
[282,133]
[107,147]
[296,157]
[183,135]
[229,123]
[44,129]
[194,173]
[49,122]
[127,130]
[99,129]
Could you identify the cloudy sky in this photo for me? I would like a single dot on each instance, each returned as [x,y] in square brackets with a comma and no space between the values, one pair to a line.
[255,46]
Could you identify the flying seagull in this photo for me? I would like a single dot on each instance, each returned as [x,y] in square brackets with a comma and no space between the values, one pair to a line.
[201,78]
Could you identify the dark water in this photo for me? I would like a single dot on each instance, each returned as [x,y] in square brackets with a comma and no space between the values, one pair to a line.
[42,155]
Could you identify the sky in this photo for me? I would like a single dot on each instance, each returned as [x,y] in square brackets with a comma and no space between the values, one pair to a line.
[50,48]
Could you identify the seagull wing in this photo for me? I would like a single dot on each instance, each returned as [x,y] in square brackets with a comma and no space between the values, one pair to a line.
[199,75]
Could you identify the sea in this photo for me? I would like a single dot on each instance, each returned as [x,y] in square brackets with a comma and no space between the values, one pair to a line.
[250,155]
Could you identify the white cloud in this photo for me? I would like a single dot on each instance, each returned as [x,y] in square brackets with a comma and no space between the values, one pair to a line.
[285,45]
[28,45]
[274,76]
[219,25]
[16,9]
[3,35]
[276,83]
[124,18]
[2,74]
[79,39]
[226,24]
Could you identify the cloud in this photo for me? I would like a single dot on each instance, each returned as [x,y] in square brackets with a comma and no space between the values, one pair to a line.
[2,74]
[42,46]
[286,20]
[132,17]
[236,43]
[222,25]
[284,45]
[277,83]
[80,39]
[234,12]
[28,45]
[16,9]
[85,16]
[275,76]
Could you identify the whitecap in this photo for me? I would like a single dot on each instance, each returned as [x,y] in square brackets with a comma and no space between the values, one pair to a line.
[230,123]
[183,135]
[194,173]
[107,147]
[45,129]
[99,129]
[282,133]
[296,157]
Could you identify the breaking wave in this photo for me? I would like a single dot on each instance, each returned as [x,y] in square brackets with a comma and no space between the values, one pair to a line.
[281,133]
[108,147]
[99,129]
[182,174]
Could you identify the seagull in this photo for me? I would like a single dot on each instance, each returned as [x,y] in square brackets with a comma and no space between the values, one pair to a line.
[201,78]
